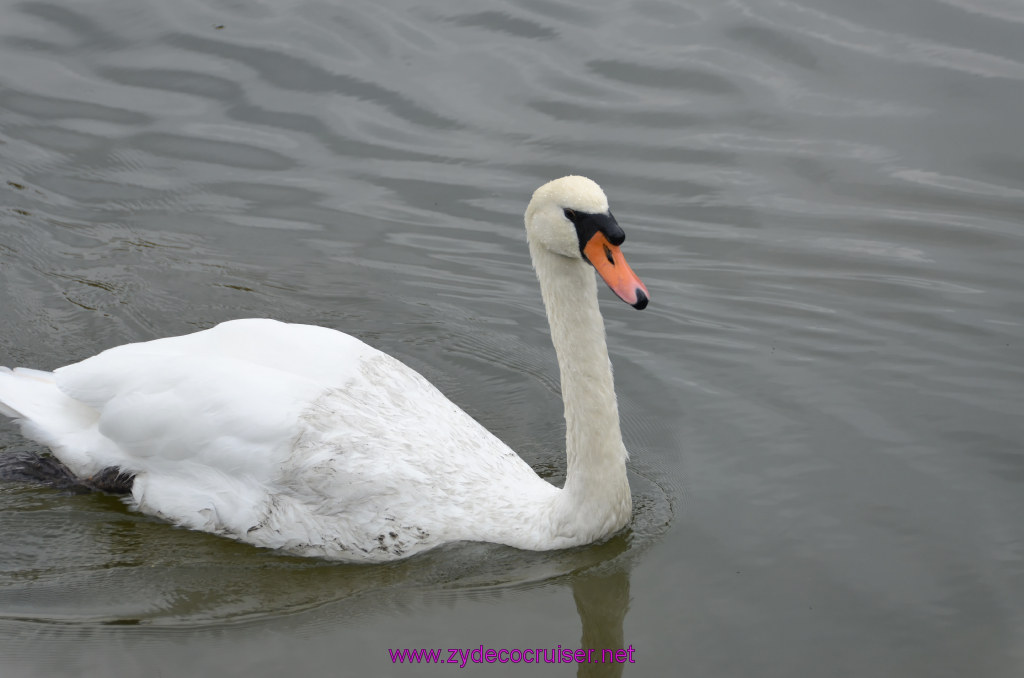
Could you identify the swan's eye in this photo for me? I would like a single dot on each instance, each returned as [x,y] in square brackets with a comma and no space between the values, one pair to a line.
[569,214]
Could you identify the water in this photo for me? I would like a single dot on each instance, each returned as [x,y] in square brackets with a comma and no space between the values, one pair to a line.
[822,402]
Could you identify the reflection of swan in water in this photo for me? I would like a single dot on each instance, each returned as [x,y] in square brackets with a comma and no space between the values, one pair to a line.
[305,439]
[602,601]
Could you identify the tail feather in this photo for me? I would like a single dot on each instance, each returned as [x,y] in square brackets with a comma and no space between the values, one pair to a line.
[26,393]
[5,409]
[50,417]
[33,395]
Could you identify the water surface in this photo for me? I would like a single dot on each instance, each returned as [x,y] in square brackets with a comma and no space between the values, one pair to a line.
[822,402]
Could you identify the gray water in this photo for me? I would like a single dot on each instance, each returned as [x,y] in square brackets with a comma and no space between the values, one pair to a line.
[822,402]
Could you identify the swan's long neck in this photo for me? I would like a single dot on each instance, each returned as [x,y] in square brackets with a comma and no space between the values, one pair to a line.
[595,500]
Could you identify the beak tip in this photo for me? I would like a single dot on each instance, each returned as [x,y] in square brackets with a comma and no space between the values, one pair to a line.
[641,300]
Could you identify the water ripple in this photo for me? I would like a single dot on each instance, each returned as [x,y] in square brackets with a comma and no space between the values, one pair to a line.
[824,198]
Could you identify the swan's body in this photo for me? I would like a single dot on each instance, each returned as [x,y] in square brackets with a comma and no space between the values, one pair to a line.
[305,439]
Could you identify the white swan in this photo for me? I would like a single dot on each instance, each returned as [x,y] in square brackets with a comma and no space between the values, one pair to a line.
[307,440]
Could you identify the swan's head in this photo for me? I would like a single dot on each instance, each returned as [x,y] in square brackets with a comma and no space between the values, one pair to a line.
[570,217]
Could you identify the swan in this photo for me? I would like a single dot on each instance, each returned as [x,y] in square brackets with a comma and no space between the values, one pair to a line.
[308,441]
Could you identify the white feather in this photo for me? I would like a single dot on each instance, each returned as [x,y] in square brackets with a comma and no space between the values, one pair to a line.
[305,439]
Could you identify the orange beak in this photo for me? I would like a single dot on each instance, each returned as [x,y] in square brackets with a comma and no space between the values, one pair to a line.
[613,269]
